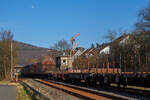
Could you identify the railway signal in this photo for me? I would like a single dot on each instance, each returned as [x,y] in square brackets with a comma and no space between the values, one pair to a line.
[72,49]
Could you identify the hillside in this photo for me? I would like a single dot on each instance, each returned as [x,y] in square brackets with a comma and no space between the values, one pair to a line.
[27,51]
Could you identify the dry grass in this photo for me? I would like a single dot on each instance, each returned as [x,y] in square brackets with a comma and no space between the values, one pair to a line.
[22,94]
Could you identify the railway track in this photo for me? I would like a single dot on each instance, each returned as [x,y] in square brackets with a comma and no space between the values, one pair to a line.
[132,91]
[129,91]
[82,93]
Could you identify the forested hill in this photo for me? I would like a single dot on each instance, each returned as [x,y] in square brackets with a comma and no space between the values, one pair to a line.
[28,51]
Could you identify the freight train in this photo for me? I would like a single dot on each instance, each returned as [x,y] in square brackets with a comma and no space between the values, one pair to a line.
[93,76]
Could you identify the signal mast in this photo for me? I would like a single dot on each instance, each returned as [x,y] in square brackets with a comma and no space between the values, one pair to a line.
[72,49]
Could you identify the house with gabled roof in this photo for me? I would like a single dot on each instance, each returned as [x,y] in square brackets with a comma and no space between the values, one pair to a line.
[78,52]
[106,48]
[89,52]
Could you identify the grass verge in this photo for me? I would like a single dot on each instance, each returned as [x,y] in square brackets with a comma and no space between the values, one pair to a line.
[4,82]
[22,94]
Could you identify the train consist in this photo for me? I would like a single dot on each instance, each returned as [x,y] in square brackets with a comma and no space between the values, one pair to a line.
[93,76]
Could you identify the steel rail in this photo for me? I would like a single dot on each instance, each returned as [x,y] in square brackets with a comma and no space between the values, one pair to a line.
[82,93]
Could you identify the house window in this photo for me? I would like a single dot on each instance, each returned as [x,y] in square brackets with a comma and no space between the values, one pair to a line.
[91,55]
[64,61]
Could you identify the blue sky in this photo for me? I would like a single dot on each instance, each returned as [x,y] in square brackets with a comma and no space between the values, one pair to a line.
[44,22]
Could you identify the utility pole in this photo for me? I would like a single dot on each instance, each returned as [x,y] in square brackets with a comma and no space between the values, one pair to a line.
[146,60]
[120,64]
[11,61]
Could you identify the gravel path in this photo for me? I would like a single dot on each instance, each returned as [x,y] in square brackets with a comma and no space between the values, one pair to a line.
[7,92]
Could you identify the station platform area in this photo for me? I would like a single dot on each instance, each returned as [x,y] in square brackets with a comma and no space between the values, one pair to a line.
[8,92]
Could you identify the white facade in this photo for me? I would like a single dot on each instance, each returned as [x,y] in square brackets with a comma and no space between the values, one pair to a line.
[106,50]
[124,40]
[66,62]
[77,54]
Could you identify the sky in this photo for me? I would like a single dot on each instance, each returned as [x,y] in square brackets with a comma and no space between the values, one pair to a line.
[45,22]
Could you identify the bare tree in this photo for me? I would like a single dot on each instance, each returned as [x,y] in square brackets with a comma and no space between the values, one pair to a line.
[143,24]
[5,54]
[142,36]
[111,35]
[61,45]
